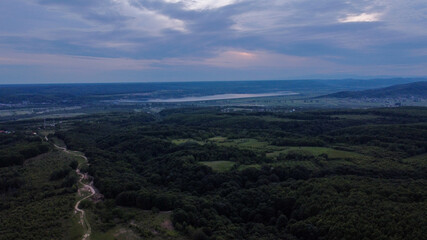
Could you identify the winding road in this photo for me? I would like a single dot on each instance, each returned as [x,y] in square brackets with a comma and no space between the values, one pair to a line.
[83,219]
[84,187]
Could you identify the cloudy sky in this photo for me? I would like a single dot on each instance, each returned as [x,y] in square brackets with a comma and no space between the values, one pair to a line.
[198,40]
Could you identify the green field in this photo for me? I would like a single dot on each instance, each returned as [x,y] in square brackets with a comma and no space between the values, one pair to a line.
[338,156]
[218,139]
[332,153]
[242,143]
[219,166]
[245,143]
[186,140]
[306,164]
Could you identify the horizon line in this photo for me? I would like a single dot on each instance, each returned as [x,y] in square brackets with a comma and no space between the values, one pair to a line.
[218,81]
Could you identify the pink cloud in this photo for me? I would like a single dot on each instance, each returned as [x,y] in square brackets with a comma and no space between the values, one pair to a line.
[261,60]
[234,59]
[228,59]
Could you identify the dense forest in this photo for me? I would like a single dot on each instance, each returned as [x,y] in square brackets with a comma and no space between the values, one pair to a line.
[335,174]
[37,198]
[17,147]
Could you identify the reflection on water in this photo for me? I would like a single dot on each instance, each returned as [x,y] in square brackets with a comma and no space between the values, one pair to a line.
[222,97]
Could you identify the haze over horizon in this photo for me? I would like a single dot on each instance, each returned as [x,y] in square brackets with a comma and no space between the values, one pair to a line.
[52,41]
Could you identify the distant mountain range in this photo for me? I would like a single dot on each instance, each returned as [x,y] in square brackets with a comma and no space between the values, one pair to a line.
[415,89]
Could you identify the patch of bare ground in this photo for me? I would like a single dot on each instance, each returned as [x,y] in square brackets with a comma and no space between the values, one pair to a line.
[167,224]
[126,234]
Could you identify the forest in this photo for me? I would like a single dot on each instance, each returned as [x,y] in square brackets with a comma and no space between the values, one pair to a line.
[316,174]
[37,198]
[14,149]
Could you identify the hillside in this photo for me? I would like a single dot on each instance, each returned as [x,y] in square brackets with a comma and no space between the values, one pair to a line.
[416,89]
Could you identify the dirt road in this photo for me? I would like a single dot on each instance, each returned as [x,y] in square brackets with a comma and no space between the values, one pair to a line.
[83,188]
[83,219]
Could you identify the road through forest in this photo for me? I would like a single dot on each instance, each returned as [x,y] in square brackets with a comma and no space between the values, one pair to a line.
[83,188]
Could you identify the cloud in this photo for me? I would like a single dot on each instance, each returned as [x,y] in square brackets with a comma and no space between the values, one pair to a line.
[117,14]
[227,64]
[200,5]
[227,59]
[73,63]
[222,36]
[243,59]
[364,17]
[140,18]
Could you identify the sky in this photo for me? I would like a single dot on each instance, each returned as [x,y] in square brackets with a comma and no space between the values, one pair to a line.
[70,41]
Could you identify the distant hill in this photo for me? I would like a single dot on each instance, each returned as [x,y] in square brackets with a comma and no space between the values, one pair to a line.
[416,89]
[74,94]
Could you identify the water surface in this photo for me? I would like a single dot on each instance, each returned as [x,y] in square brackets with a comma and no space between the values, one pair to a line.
[222,97]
